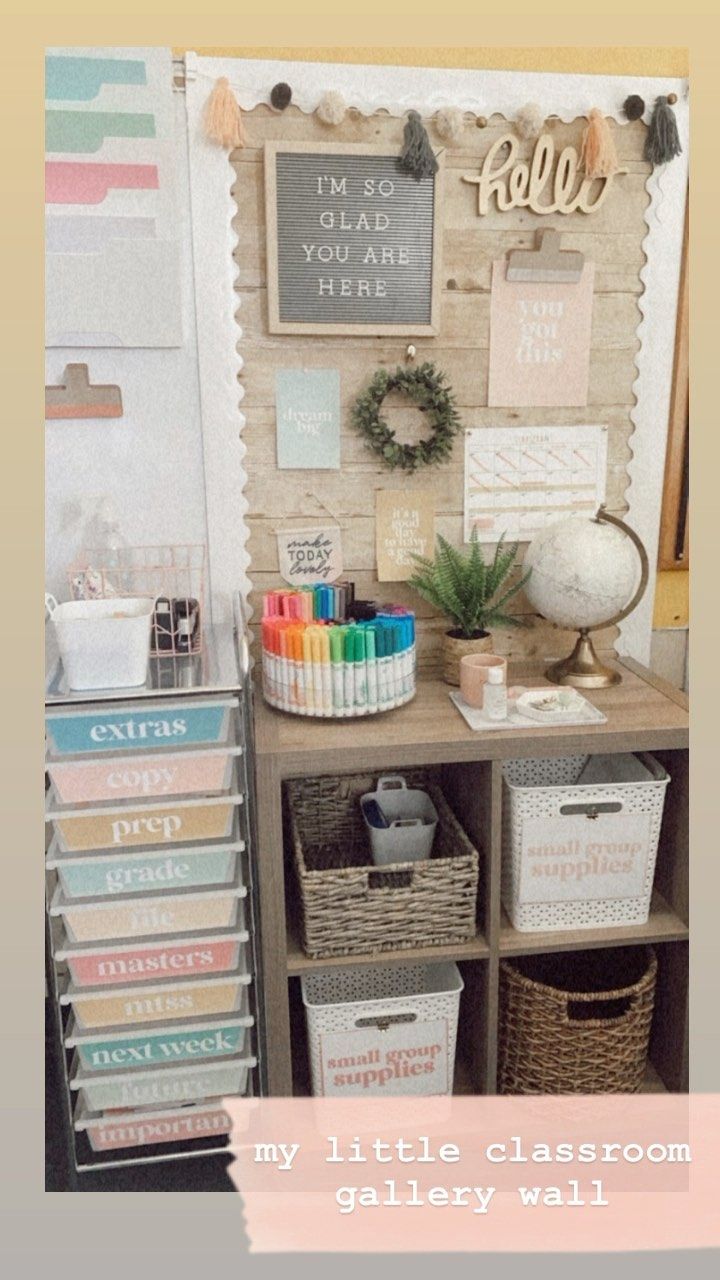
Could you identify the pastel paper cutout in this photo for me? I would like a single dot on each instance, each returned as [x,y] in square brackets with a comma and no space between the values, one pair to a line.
[81,79]
[73,182]
[126,296]
[85,131]
[75,233]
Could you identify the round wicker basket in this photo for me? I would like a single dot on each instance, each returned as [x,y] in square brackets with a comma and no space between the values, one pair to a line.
[576,1022]
[456,647]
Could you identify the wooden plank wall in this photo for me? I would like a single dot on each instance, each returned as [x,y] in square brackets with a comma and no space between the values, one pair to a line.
[612,238]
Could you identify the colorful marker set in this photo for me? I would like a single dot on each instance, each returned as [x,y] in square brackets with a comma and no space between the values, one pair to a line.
[321,602]
[334,670]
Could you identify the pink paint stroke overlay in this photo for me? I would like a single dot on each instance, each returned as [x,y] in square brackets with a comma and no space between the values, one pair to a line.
[630,1172]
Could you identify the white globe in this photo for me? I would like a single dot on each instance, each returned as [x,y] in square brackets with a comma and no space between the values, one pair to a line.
[583,572]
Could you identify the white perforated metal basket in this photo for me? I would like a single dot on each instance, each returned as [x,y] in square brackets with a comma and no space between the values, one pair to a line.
[389,1029]
[579,856]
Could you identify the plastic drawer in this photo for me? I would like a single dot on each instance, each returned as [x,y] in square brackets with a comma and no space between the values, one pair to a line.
[161,1086]
[152,1127]
[148,959]
[184,911]
[118,827]
[129,1006]
[145,776]
[105,874]
[160,725]
[198,1039]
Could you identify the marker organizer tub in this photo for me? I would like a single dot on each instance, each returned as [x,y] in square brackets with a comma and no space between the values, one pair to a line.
[164,726]
[125,1006]
[153,1127]
[182,911]
[285,696]
[382,1030]
[148,959]
[161,1085]
[349,905]
[106,874]
[199,1039]
[171,822]
[144,776]
[578,856]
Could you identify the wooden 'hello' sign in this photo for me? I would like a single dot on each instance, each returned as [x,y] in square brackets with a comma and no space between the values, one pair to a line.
[542,185]
[353,243]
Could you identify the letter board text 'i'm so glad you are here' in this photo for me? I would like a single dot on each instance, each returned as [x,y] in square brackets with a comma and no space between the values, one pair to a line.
[353,242]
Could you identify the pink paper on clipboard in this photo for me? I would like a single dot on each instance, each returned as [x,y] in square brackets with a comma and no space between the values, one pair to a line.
[539,340]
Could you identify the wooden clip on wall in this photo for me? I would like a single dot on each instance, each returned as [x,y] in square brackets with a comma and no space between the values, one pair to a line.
[75,397]
[546,264]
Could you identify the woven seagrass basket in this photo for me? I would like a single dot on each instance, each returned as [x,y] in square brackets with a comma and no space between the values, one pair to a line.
[349,905]
[576,1022]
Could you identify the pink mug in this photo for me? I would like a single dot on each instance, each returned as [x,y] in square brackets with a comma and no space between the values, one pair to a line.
[473,674]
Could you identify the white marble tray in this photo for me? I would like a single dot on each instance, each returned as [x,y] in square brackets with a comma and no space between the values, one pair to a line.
[588,714]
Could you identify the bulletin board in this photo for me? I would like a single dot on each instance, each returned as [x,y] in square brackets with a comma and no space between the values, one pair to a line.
[615,239]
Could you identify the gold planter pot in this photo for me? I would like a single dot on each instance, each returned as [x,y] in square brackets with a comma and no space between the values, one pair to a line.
[456,647]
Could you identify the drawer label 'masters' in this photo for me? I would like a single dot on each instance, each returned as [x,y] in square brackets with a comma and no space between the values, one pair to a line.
[142,965]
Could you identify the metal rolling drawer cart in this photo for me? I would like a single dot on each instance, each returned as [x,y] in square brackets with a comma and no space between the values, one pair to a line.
[152,916]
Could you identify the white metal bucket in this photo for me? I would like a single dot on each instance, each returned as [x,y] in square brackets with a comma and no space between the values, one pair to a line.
[104,644]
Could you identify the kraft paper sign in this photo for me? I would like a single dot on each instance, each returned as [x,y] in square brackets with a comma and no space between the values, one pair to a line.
[568,858]
[307,407]
[402,1057]
[404,525]
[309,555]
[539,341]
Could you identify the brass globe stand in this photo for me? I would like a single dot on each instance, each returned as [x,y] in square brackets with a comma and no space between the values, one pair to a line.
[583,669]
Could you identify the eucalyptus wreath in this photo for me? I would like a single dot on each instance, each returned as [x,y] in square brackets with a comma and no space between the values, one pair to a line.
[425,386]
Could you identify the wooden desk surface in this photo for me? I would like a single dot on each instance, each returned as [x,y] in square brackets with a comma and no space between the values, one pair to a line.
[644,713]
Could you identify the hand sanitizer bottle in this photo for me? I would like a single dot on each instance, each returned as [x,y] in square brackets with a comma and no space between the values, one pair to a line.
[495,694]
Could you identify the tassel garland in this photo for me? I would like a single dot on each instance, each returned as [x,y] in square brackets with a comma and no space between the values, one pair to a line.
[331,108]
[450,122]
[223,120]
[634,107]
[280,96]
[663,141]
[417,156]
[529,121]
[598,156]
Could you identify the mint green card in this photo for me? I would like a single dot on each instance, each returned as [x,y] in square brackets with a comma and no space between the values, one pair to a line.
[307,408]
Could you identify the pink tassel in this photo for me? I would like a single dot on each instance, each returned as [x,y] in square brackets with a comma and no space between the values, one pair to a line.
[223,121]
[598,157]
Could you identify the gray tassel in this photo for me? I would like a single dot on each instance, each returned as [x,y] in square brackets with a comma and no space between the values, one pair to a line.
[417,156]
[662,142]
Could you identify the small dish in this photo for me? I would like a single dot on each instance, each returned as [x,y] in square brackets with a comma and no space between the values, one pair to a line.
[551,707]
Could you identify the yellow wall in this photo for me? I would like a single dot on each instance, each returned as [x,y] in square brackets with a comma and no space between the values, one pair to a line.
[672,605]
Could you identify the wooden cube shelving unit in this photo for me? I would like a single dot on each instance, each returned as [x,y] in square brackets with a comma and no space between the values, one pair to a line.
[644,713]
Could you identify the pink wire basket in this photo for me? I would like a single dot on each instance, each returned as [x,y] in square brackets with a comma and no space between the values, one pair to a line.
[173,575]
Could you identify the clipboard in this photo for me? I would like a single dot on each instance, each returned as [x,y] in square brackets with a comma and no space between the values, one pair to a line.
[547,263]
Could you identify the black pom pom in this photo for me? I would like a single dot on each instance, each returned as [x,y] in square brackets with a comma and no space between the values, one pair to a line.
[280,96]
[634,107]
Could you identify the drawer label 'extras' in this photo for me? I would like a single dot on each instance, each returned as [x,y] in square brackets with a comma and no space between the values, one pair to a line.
[105,730]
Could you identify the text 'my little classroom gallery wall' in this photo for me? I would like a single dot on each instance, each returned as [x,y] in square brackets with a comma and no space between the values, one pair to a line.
[611,238]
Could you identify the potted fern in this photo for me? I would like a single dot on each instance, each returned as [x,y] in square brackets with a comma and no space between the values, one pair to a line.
[470,593]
